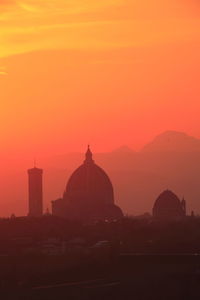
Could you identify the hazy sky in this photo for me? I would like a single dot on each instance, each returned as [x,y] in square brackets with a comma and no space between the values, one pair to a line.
[107,72]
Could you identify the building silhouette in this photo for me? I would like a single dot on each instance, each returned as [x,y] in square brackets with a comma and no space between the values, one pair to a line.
[35,192]
[169,206]
[88,195]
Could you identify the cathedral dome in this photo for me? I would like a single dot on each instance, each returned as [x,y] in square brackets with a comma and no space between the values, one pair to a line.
[88,195]
[89,184]
[168,205]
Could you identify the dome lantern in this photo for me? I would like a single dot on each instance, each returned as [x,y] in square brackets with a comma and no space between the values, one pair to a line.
[88,156]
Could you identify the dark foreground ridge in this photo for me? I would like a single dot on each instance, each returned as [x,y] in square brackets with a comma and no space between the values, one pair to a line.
[134,258]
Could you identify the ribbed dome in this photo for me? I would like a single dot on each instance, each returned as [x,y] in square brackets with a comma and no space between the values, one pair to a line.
[89,184]
[168,205]
[88,195]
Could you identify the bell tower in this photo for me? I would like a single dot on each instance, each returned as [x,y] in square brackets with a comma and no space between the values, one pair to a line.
[35,192]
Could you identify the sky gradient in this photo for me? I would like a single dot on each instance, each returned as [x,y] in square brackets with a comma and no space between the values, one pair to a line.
[108,73]
[81,71]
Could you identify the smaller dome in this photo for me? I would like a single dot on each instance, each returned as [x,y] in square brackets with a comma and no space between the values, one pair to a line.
[168,205]
[167,198]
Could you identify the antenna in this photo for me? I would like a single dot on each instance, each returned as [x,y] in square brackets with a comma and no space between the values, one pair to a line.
[34,162]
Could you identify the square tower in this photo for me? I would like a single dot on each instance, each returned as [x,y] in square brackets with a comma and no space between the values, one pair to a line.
[35,192]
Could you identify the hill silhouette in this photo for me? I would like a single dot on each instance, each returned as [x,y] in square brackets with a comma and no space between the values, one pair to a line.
[173,141]
[123,149]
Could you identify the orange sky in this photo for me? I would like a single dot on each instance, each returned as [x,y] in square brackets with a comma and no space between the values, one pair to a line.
[108,72]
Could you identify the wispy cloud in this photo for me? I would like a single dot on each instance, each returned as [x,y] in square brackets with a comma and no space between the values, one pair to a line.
[30,25]
[7,2]
[28,7]
[3,71]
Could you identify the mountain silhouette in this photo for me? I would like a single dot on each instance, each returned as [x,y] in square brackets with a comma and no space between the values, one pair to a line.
[123,149]
[173,141]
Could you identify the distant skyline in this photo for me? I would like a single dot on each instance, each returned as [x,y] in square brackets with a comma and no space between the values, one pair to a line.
[170,161]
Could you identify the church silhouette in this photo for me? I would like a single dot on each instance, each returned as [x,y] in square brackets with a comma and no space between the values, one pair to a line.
[88,195]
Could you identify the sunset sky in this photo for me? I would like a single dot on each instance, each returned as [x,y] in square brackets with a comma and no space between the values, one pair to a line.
[109,73]
[105,72]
